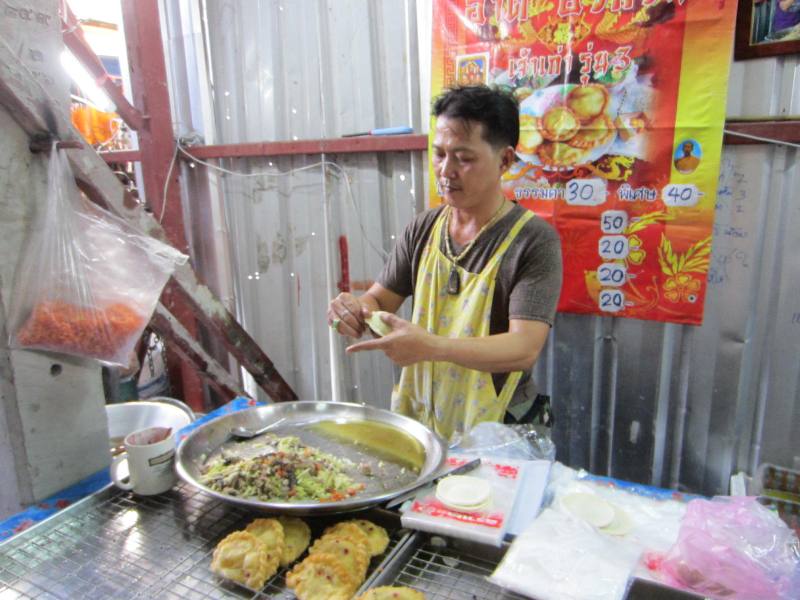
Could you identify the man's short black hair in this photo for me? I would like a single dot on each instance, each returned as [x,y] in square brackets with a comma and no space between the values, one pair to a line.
[498,111]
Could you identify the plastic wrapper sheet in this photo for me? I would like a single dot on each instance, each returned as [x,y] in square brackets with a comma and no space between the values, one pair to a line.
[562,557]
[558,558]
[87,282]
[497,440]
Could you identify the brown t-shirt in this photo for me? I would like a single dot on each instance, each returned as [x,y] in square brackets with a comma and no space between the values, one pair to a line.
[528,281]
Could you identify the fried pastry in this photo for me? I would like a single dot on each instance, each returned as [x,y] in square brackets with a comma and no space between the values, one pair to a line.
[587,101]
[559,124]
[269,531]
[530,135]
[321,577]
[594,133]
[296,537]
[351,555]
[388,592]
[560,155]
[376,536]
[350,531]
[529,140]
[242,557]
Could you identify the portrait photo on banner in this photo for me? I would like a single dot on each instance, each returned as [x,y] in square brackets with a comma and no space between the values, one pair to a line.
[767,28]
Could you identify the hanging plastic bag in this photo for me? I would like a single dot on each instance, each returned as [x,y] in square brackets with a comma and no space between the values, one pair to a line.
[87,282]
[733,548]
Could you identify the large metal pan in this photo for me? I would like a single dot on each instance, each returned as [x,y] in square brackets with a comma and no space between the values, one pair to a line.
[297,418]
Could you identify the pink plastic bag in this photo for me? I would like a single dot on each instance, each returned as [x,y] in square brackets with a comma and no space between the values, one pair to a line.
[734,548]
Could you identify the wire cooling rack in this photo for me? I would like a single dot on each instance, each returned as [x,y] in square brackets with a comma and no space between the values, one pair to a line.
[445,569]
[116,546]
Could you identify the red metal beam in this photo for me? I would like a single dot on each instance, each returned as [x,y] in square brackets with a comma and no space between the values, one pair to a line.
[157,146]
[76,42]
[236,341]
[367,143]
[784,130]
[120,156]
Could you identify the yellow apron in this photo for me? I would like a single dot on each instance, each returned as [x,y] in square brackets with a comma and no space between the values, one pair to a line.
[446,397]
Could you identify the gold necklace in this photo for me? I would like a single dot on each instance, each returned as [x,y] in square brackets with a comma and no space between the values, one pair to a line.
[453,280]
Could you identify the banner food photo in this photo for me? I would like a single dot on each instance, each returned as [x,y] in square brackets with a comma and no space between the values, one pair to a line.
[622,105]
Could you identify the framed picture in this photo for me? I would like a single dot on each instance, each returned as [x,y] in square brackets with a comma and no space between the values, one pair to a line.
[767,28]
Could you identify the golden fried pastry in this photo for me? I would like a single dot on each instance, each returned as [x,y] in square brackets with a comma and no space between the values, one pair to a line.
[595,133]
[521,93]
[530,135]
[527,121]
[242,557]
[321,577]
[350,531]
[269,531]
[560,155]
[559,124]
[376,536]
[388,592]
[296,537]
[350,554]
[587,101]
[529,140]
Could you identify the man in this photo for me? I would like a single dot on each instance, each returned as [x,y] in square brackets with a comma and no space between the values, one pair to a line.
[688,162]
[485,275]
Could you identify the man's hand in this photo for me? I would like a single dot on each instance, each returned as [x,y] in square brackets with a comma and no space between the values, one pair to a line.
[405,345]
[345,315]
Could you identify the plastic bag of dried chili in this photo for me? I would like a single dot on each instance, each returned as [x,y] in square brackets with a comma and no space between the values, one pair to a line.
[87,282]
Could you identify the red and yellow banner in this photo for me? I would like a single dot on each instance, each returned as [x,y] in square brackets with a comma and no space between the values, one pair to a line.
[622,104]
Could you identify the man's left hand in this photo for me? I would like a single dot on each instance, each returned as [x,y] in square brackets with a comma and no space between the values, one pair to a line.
[405,345]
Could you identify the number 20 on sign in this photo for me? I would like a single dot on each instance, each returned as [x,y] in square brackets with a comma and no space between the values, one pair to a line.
[611,300]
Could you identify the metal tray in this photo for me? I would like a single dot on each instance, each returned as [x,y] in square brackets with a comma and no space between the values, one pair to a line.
[294,418]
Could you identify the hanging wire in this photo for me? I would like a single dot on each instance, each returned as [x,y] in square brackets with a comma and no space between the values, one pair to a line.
[166,184]
[327,164]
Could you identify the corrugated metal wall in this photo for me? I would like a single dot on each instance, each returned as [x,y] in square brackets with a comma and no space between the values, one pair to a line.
[666,404]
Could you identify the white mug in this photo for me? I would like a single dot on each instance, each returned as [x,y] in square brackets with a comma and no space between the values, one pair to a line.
[150,456]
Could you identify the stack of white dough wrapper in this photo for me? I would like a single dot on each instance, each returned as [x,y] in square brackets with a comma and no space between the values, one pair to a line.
[480,517]
[587,544]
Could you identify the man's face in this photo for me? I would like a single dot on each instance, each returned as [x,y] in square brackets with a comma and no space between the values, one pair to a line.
[467,167]
[687,149]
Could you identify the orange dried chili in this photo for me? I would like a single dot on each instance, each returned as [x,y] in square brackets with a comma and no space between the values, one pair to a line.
[94,332]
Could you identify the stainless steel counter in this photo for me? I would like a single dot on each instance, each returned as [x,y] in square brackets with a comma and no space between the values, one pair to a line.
[117,546]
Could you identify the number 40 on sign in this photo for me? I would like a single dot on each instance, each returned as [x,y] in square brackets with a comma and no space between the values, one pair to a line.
[680,195]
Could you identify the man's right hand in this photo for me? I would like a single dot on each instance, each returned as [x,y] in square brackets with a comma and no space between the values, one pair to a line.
[345,315]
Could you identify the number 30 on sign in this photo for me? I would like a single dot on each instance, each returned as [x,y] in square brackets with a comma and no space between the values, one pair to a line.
[586,192]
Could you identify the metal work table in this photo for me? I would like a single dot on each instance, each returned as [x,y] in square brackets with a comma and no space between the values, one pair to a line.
[115,545]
